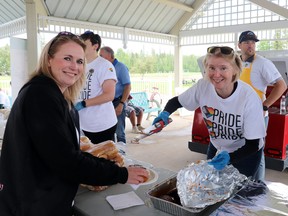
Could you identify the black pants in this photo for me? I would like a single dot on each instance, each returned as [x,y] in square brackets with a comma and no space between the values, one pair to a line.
[247,166]
[97,137]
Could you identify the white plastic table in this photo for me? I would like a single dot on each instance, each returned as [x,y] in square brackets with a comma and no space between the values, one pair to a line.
[89,203]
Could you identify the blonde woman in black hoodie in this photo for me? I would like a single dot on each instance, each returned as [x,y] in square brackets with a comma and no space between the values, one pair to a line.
[41,165]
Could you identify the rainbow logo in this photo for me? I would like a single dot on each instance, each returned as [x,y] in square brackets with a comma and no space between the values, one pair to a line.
[208,111]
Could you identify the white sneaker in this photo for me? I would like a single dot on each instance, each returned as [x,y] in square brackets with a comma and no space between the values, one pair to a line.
[135,130]
[121,143]
[140,128]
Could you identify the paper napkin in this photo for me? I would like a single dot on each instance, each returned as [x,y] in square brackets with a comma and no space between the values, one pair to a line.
[125,200]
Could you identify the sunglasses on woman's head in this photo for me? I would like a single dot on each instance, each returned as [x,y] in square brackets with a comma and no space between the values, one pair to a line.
[223,49]
[63,34]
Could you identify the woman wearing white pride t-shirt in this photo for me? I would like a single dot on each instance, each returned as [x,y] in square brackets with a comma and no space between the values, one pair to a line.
[231,109]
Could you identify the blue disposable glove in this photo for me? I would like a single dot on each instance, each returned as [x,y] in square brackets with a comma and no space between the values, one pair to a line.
[220,160]
[78,106]
[162,116]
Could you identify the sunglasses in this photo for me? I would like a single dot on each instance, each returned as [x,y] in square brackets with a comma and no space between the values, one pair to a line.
[223,49]
[65,33]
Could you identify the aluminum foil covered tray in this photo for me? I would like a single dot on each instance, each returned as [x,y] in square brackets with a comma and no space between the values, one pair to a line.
[164,197]
[200,184]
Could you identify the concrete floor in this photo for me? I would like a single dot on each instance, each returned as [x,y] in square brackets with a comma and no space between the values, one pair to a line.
[169,148]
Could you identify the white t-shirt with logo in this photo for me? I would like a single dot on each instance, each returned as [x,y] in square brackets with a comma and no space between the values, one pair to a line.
[230,120]
[99,117]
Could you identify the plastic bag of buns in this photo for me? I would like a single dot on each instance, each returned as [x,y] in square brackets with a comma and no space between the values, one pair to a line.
[106,149]
[85,143]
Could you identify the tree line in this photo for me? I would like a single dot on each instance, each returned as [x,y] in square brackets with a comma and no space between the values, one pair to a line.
[141,63]
[138,63]
[5,61]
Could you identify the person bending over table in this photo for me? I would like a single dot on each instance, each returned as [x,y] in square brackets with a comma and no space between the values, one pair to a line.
[231,110]
[41,165]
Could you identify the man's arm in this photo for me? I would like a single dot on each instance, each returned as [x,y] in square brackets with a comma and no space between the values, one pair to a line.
[108,94]
[278,89]
[124,98]
[126,92]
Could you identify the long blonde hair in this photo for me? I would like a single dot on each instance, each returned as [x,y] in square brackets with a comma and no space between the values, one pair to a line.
[71,94]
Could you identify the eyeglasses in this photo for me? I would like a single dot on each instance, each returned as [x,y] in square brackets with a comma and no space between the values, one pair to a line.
[225,50]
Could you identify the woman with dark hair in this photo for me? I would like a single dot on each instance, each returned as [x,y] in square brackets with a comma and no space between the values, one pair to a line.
[41,165]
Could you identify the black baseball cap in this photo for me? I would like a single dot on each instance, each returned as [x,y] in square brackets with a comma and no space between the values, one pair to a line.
[248,35]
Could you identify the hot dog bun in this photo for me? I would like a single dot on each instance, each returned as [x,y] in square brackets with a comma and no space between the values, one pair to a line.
[85,143]
[102,148]
[105,150]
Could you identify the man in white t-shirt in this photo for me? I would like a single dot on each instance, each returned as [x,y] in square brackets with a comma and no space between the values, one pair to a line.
[98,120]
[259,72]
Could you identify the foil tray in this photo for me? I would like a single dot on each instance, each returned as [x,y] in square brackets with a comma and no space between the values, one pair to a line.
[175,208]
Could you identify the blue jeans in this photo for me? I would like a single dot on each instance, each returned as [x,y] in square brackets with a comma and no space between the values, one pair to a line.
[248,166]
[120,130]
[260,173]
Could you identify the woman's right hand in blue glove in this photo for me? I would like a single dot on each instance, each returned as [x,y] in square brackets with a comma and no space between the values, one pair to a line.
[220,160]
[164,116]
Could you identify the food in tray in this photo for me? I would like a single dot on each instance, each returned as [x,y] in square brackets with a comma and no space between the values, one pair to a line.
[171,196]
[106,149]
[200,185]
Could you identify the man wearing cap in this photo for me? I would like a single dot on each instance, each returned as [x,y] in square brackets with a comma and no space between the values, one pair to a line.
[259,72]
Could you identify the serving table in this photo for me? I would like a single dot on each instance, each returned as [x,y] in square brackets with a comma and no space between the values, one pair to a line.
[89,203]
[256,198]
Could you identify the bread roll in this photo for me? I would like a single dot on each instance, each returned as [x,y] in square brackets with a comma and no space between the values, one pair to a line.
[85,146]
[102,148]
[113,153]
[105,150]
[118,159]
[85,139]
[85,143]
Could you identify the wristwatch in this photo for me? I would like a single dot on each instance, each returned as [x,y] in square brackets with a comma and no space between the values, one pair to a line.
[122,102]
[265,108]
[83,103]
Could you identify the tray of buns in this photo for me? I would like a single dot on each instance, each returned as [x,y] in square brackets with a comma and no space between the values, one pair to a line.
[107,150]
